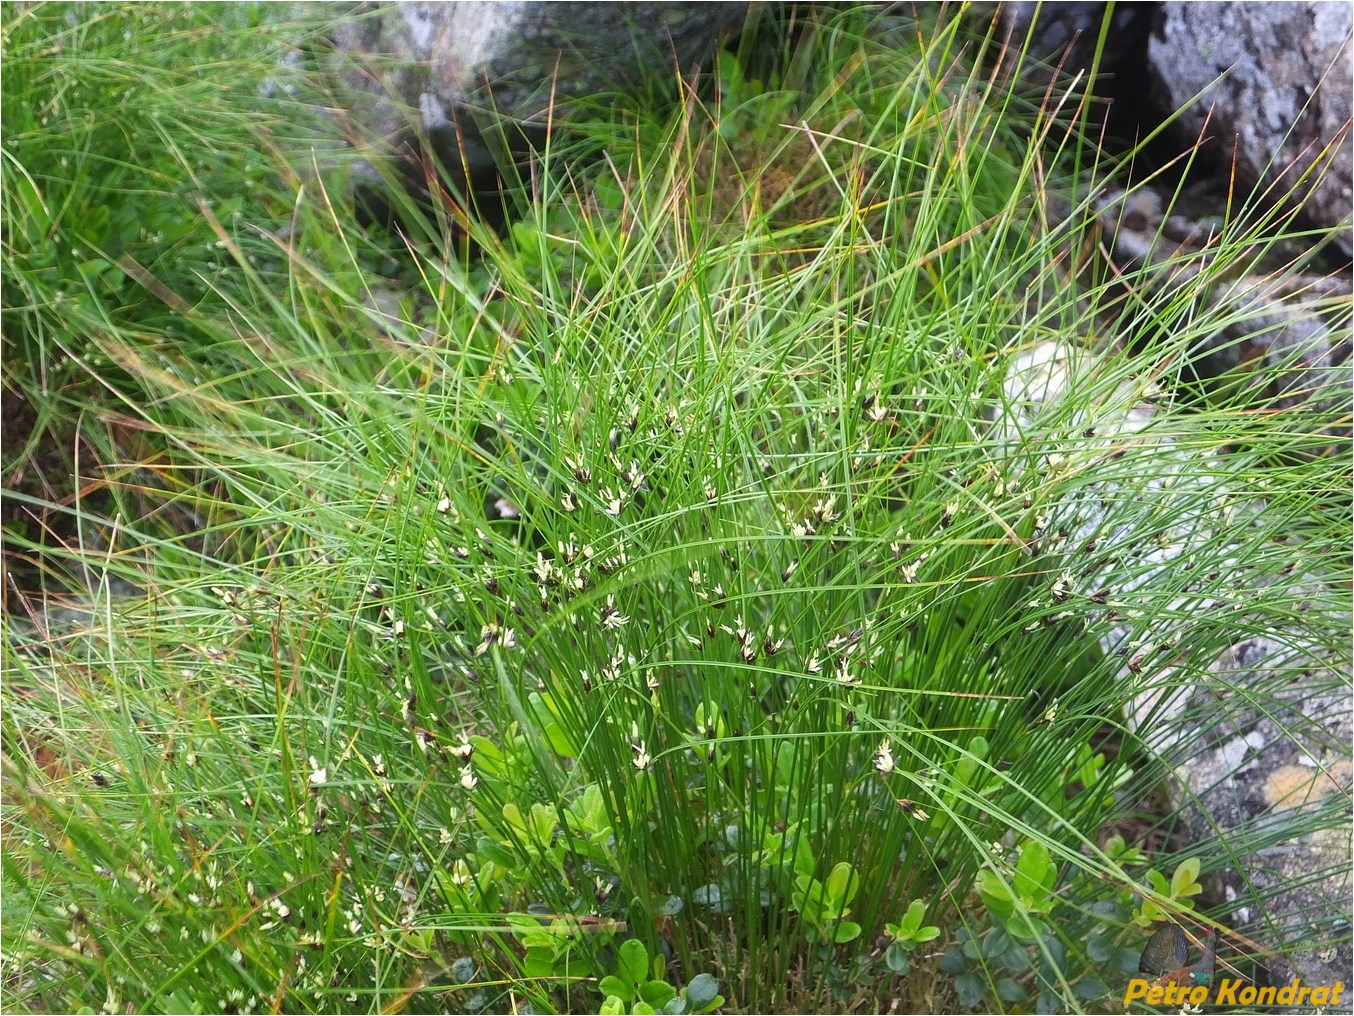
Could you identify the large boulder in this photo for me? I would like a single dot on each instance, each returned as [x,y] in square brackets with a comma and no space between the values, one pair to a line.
[1282,106]
[483,78]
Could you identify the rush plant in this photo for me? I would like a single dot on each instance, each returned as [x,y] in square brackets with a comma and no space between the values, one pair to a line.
[673,605]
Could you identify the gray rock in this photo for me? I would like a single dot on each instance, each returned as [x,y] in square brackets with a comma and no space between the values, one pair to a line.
[1265,739]
[483,78]
[1279,345]
[1262,736]
[1283,108]
[1283,341]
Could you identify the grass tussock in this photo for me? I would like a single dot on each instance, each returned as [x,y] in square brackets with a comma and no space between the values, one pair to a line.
[681,602]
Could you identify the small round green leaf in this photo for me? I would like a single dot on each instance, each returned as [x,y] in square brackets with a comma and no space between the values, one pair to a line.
[702,990]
